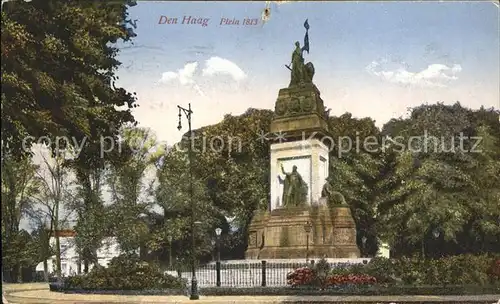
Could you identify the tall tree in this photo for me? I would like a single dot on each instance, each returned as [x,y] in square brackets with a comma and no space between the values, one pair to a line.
[173,196]
[19,185]
[54,196]
[45,250]
[58,64]
[234,166]
[131,179]
[445,196]
[92,217]
[355,170]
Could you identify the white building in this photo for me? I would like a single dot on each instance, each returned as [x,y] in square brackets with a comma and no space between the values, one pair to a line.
[69,257]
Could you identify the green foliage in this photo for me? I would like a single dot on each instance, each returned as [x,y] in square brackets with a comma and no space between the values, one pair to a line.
[130,193]
[19,185]
[355,172]
[92,217]
[448,271]
[360,290]
[322,272]
[463,269]
[444,184]
[381,268]
[125,272]
[455,270]
[230,178]
[20,251]
[58,63]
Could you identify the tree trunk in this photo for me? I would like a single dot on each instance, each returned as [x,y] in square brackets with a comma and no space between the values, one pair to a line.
[45,271]
[79,265]
[58,245]
[19,274]
[86,266]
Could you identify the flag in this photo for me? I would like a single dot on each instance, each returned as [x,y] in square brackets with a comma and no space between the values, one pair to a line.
[306,43]
[306,38]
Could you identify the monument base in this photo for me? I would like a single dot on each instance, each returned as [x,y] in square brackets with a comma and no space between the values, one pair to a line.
[281,234]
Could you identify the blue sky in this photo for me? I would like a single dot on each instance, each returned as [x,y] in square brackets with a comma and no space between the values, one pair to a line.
[371,59]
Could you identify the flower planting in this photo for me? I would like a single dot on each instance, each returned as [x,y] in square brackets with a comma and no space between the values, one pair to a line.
[355,279]
[454,270]
[300,277]
[322,276]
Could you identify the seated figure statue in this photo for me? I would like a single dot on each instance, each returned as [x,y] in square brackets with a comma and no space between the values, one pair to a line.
[333,197]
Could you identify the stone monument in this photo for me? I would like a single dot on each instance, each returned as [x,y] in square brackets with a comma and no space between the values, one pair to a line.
[299,167]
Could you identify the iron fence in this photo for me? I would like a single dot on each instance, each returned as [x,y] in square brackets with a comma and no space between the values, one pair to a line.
[243,274]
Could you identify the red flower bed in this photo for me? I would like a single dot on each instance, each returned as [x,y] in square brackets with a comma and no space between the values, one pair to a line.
[306,276]
[300,276]
[357,279]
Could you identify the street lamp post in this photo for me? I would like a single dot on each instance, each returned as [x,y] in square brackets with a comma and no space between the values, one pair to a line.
[307,228]
[363,242]
[194,282]
[170,250]
[212,242]
[436,233]
[218,231]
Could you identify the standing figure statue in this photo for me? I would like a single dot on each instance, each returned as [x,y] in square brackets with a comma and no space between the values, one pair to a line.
[297,65]
[294,189]
[301,73]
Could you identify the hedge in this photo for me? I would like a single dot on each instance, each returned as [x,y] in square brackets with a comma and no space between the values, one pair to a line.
[454,270]
[457,290]
[125,272]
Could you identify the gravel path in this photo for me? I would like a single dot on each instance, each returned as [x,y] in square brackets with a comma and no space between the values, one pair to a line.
[46,296]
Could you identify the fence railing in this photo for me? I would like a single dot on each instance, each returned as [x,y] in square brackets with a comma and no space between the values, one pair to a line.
[244,274]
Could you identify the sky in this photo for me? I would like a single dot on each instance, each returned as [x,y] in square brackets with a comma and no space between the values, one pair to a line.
[372,59]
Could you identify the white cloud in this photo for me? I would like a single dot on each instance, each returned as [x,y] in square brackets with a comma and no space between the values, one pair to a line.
[167,77]
[217,65]
[435,75]
[184,76]
[213,66]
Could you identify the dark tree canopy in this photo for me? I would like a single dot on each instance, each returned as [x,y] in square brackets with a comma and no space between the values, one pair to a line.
[58,64]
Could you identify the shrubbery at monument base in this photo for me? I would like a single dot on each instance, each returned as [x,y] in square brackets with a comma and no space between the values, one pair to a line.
[453,270]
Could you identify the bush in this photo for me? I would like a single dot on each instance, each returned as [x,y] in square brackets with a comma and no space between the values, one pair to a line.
[382,269]
[354,290]
[125,272]
[321,273]
[453,270]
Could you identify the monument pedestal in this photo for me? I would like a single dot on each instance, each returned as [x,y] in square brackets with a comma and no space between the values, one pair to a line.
[332,235]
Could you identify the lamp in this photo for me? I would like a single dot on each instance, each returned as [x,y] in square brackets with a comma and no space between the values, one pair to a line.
[194,282]
[363,242]
[218,232]
[436,233]
[307,228]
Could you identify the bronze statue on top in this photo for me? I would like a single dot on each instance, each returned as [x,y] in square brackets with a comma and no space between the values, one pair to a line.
[294,189]
[301,73]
